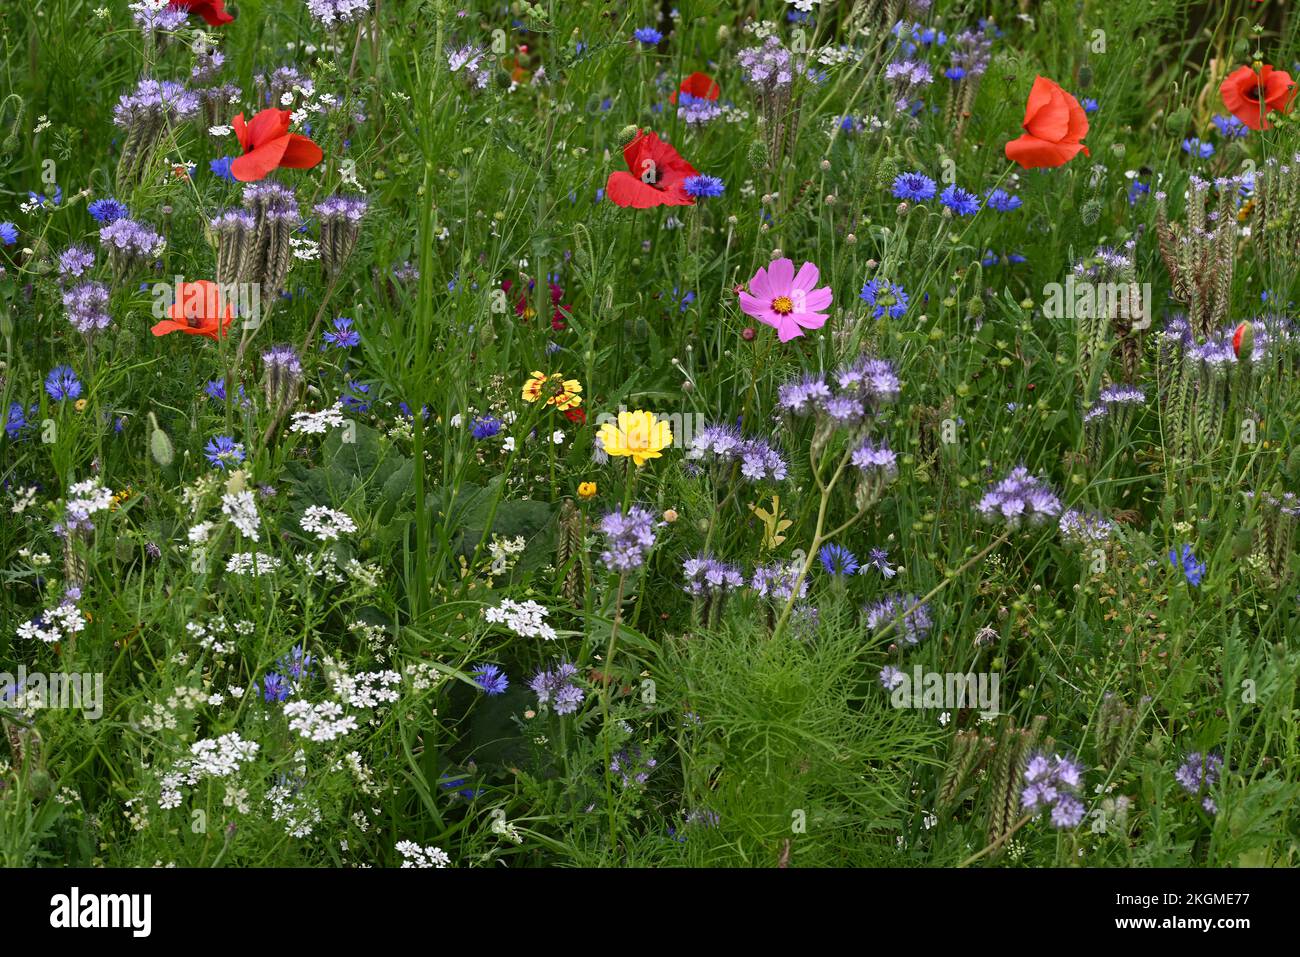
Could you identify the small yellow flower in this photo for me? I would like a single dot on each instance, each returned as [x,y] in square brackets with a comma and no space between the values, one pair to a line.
[586,489]
[554,388]
[637,434]
[80,405]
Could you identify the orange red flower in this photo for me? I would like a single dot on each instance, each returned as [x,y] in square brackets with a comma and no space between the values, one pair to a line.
[268,145]
[1249,95]
[213,12]
[1054,126]
[699,85]
[199,310]
[657,177]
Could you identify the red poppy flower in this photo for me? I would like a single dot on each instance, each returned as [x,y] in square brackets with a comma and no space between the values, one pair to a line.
[1249,95]
[213,12]
[578,415]
[268,145]
[699,85]
[1054,125]
[196,310]
[657,177]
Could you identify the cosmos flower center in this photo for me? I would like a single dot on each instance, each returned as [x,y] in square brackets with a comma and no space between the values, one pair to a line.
[782,305]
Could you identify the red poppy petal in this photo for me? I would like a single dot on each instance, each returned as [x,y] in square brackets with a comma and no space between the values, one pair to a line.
[624,189]
[1050,118]
[268,125]
[241,130]
[301,153]
[701,85]
[167,326]
[1033,153]
[253,166]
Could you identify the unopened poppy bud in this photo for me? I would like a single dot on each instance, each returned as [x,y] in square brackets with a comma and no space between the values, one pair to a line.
[903,208]
[747,333]
[627,134]
[1090,212]
[1243,341]
[757,155]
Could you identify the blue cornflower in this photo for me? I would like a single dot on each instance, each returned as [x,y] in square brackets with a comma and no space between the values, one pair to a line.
[1002,201]
[703,186]
[1089,105]
[954,73]
[914,187]
[1136,190]
[837,560]
[216,389]
[490,679]
[878,558]
[960,201]
[8,233]
[62,383]
[223,451]
[356,403]
[485,428]
[1229,126]
[275,687]
[885,297]
[343,336]
[298,665]
[18,419]
[1192,569]
[647,35]
[848,124]
[1195,147]
[41,200]
[107,210]
[221,168]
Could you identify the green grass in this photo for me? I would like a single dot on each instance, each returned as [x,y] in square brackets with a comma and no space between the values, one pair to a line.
[773,741]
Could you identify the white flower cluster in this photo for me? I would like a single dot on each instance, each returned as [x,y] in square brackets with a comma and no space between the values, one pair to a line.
[319,722]
[57,624]
[413,855]
[241,509]
[327,523]
[252,563]
[526,619]
[209,758]
[503,550]
[318,423]
[369,689]
[84,500]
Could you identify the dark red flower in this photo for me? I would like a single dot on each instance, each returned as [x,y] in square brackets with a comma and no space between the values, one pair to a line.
[657,175]
[213,12]
[578,415]
[268,145]
[699,85]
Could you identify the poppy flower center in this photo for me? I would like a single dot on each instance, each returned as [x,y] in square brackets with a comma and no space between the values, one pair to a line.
[782,305]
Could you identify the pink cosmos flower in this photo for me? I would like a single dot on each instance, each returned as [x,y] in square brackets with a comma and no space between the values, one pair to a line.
[787,302]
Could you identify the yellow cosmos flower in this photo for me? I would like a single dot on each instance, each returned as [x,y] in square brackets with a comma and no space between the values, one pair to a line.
[637,434]
[586,489]
[555,389]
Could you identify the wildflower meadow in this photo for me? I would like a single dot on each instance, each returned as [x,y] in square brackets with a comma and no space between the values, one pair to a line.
[608,434]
